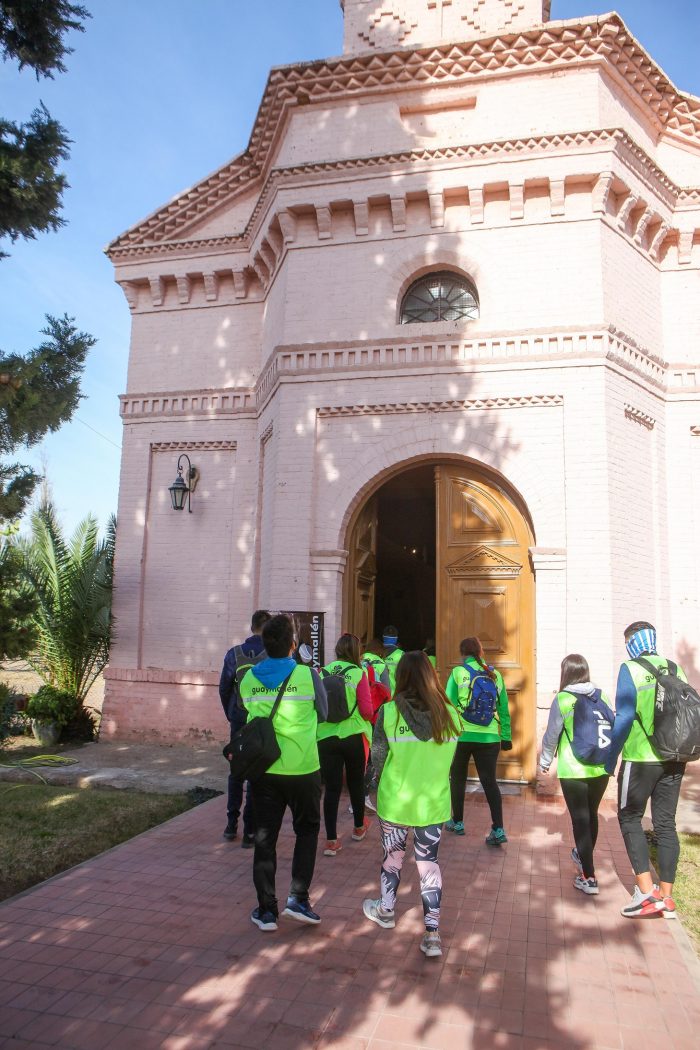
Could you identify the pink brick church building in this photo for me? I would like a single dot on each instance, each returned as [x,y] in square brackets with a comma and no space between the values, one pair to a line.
[432,344]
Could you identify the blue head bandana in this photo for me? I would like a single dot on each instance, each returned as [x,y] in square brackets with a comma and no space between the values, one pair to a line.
[641,642]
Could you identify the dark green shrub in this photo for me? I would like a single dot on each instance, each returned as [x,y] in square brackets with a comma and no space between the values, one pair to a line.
[82,726]
[51,705]
[10,721]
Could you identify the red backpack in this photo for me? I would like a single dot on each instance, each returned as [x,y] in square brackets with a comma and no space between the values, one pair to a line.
[379,693]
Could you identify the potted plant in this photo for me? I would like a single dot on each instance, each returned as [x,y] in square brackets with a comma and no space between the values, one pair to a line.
[47,712]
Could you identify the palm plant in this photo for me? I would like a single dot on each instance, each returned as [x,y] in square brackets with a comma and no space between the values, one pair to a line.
[72,583]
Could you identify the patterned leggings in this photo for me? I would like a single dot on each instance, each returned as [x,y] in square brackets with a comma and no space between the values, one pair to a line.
[426,842]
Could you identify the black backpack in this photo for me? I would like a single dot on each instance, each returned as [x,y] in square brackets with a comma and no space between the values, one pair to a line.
[335,682]
[254,747]
[676,734]
[244,662]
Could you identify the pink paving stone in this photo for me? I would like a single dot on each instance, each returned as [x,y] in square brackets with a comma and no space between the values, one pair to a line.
[350,982]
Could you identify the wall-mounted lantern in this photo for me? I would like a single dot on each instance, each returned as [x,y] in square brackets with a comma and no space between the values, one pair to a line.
[181,491]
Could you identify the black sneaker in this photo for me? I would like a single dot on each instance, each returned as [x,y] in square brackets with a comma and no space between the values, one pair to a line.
[301,911]
[248,841]
[230,832]
[264,920]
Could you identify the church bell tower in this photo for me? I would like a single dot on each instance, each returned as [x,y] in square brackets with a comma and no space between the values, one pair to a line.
[383,24]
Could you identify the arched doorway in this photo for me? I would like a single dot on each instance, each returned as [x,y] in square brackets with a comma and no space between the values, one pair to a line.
[440,549]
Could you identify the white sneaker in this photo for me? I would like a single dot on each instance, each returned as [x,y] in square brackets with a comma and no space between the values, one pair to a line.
[430,945]
[589,886]
[643,905]
[369,804]
[375,913]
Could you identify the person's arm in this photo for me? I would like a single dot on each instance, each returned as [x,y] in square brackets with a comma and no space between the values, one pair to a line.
[452,691]
[504,713]
[552,734]
[625,714]
[320,698]
[364,698]
[228,673]
[380,745]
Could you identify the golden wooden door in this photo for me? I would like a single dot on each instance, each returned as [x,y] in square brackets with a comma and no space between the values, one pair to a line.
[485,587]
[362,573]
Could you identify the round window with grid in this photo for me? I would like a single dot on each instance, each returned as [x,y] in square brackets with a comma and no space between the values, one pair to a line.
[440,297]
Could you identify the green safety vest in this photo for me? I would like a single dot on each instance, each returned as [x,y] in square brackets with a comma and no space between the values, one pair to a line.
[568,766]
[638,747]
[391,662]
[355,723]
[458,688]
[414,788]
[376,663]
[295,720]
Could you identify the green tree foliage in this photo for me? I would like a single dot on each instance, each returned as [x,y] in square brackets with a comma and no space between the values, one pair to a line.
[72,582]
[39,390]
[32,33]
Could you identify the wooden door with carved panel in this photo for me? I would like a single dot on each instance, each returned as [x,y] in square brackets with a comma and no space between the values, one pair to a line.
[362,572]
[485,587]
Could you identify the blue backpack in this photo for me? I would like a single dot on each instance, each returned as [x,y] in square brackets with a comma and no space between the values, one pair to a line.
[593,724]
[483,698]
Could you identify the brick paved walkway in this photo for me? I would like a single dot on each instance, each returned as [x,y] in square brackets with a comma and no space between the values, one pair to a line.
[151,945]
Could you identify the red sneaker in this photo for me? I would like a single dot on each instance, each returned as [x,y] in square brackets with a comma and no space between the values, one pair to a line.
[332,847]
[359,833]
[669,911]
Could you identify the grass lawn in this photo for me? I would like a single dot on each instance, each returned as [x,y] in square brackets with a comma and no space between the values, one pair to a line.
[44,829]
[686,889]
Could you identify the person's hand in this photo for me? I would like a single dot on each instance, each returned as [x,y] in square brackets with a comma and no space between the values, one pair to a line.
[506,745]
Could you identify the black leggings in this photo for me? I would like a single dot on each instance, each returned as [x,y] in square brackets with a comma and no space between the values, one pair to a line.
[485,759]
[638,782]
[336,755]
[583,797]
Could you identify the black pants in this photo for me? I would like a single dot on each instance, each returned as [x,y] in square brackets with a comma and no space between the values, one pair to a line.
[272,793]
[485,758]
[583,797]
[235,801]
[637,782]
[335,755]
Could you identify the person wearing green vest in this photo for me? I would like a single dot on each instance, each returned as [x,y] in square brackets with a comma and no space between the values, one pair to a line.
[582,785]
[482,742]
[341,745]
[644,777]
[294,779]
[414,741]
[373,657]
[392,653]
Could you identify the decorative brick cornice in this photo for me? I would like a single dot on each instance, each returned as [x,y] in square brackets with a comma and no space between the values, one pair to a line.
[637,416]
[615,140]
[193,446]
[445,353]
[600,41]
[418,407]
[210,403]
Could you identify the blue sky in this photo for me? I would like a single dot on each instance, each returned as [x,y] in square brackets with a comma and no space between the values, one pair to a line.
[158,94]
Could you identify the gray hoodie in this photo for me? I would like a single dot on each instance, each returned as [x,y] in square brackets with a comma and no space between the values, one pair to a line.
[417,718]
[555,725]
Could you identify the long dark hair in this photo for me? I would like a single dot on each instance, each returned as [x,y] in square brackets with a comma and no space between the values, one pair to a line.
[348,648]
[376,648]
[416,678]
[473,647]
[574,669]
